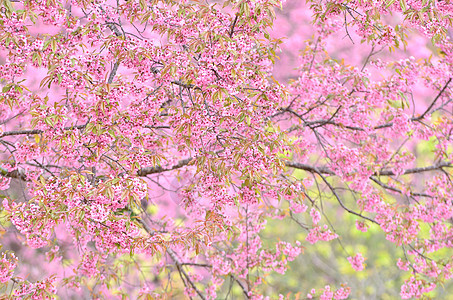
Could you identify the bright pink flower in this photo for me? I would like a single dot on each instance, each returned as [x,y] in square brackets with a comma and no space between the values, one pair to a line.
[357,262]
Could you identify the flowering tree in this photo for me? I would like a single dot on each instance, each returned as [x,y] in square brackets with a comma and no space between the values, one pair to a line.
[146,144]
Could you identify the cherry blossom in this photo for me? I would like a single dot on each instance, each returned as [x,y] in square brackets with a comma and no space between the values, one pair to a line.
[148,147]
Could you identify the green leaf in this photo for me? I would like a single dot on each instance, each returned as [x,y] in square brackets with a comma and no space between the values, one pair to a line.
[390,3]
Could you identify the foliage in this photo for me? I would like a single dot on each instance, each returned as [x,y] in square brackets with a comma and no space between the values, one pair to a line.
[156,149]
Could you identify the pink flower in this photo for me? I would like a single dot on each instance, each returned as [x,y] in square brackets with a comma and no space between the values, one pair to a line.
[357,262]
[361,226]
[319,233]
[7,266]
[315,215]
[297,207]
[327,294]
[342,293]
[4,183]
[403,265]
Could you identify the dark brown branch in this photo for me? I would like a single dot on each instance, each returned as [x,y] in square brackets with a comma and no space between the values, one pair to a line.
[13,174]
[233,25]
[159,169]
[157,127]
[244,290]
[330,119]
[391,188]
[319,123]
[327,122]
[20,132]
[181,270]
[184,85]
[114,29]
[297,221]
[10,118]
[434,101]
[38,131]
[174,257]
[142,172]
[332,189]
[196,265]
[437,166]
[117,63]
[346,27]
[311,169]
[325,170]
[113,73]
[35,131]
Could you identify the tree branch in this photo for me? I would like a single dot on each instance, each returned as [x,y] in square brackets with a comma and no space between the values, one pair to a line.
[13,174]
[38,131]
[113,73]
[341,202]
[437,166]
[325,170]
[178,263]
[159,169]
[319,123]
[311,169]
[434,101]
[115,30]
[35,131]
[181,270]
[233,25]
[391,188]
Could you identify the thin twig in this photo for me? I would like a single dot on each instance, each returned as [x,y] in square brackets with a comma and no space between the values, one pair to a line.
[434,101]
